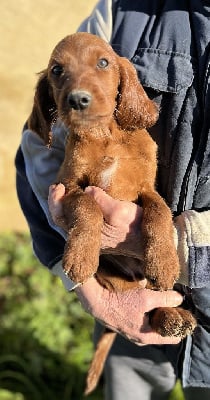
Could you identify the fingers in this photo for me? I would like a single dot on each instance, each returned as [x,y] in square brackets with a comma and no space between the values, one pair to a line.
[56,193]
[116,212]
[105,202]
[154,338]
[154,299]
[149,336]
[125,313]
[145,335]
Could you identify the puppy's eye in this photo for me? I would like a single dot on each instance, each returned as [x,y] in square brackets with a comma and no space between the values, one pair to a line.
[57,70]
[102,63]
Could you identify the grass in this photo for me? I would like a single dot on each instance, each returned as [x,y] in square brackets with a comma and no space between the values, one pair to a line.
[45,335]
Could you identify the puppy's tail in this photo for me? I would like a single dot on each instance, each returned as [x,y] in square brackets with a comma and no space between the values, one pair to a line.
[96,368]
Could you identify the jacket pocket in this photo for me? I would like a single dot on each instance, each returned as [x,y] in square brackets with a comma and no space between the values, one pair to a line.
[162,70]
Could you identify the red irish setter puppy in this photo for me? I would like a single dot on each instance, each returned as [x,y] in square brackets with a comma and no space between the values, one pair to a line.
[98,97]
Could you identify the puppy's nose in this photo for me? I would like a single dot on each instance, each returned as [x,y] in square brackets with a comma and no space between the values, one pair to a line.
[79,99]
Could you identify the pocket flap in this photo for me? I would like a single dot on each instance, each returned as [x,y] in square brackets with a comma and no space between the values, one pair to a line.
[165,71]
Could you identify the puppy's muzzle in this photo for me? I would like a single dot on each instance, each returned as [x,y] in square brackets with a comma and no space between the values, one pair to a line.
[79,100]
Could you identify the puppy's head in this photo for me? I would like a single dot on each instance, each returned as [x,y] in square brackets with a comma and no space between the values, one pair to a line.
[87,84]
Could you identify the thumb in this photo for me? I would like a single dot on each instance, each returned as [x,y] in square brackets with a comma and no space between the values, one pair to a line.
[169,298]
[56,193]
[106,203]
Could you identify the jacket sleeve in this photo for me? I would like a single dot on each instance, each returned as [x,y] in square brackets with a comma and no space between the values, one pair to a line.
[100,21]
[48,245]
[192,237]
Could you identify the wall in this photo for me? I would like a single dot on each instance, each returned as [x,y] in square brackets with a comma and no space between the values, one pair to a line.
[29,30]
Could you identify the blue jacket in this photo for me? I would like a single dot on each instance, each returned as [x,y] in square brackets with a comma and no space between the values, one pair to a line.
[168,42]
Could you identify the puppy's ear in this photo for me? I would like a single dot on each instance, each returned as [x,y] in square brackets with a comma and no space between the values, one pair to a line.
[134,108]
[44,109]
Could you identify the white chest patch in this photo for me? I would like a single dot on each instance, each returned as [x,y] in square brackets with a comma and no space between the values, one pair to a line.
[107,174]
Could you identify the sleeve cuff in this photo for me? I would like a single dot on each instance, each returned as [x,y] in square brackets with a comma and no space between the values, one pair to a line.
[180,238]
[69,285]
[191,231]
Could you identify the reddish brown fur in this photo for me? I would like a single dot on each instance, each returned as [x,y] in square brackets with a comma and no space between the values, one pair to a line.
[109,147]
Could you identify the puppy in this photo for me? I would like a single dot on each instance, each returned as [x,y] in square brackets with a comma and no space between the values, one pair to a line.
[97,95]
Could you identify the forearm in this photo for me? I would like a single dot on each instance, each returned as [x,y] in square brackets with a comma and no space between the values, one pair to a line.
[48,244]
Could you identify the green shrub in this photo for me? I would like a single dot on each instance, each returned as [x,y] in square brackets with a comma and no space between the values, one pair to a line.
[45,335]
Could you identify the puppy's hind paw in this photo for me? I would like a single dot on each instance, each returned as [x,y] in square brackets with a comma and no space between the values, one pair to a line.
[173,322]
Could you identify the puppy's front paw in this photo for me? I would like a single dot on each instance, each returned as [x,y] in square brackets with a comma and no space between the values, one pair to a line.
[81,256]
[161,270]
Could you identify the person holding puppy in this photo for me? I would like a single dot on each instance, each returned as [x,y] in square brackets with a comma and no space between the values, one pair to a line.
[168,43]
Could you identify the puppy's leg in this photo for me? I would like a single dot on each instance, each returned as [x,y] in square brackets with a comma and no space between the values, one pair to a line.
[161,265]
[81,255]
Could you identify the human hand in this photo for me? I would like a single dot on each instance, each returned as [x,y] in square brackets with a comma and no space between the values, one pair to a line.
[122,220]
[127,312]
[56,194]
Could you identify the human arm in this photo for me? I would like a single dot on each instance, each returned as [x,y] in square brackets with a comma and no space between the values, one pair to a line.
[47,244]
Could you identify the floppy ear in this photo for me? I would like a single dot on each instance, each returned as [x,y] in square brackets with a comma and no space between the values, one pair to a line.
[134,108]
[44,109]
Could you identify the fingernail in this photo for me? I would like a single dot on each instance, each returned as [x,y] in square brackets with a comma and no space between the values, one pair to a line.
[59,185]
[175,299]
[52,187]
[89,189]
